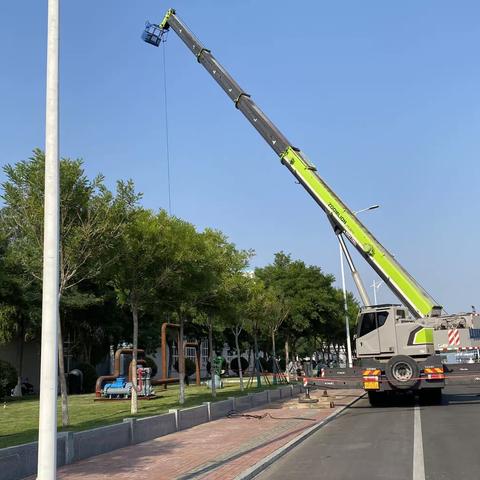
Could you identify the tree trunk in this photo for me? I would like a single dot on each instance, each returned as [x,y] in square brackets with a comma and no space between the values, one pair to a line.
[181,363]
[237,332]
[61,374]
[134,398]
[249,358]
[257,363]
[287,358]
[312,353]
[274,359]
[293,348]
[336,347]
[212,358]
[89,353]
[21,337]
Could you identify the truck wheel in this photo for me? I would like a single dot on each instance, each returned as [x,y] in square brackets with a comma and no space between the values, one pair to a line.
[376,399]
[402,372]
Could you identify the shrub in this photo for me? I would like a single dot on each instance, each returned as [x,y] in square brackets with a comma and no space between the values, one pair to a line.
[234,364]
[8,378]
[223,368]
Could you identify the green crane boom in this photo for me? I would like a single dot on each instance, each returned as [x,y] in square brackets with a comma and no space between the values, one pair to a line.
[344,221]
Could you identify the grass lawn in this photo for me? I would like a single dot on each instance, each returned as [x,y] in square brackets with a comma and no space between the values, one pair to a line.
[19,418]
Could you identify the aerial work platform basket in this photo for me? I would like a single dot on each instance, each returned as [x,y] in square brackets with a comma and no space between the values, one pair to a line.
[152,34]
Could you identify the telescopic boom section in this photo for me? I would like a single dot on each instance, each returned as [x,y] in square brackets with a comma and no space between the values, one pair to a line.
[343,219]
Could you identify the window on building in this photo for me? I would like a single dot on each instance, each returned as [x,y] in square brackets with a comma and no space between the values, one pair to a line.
[190,353]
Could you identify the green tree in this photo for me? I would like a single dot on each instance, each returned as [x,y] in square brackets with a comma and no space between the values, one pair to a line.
[91,220]
[207,257]
[19,306]
[308,295]
[277,310]
[146,264]
[257,308]
[225,302]
[238,295]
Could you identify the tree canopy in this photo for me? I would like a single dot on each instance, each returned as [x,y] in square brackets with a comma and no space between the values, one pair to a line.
[124,266]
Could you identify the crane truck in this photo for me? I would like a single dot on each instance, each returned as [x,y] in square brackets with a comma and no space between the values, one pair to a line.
[394,343]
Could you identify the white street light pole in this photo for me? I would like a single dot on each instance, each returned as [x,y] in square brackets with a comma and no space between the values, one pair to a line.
[345,304]
[371,207]
[376,286]
[47,430]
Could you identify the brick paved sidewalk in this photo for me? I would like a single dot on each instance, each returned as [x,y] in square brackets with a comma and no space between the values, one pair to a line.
[221,449]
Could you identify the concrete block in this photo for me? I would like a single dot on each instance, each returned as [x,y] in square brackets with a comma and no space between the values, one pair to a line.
[131,426]
[221,408]
[189,417]
[175,413]
[101,440]
[243,403]
[61,448]
[259,398]
[21,461]
[69,449]
[207,404]
[274,395]
[296,389]
[286,392]
[148,428]
[10,466]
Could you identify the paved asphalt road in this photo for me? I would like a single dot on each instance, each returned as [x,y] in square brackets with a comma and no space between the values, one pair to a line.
[406,441]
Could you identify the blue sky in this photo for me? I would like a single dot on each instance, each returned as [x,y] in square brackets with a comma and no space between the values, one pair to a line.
[384,98]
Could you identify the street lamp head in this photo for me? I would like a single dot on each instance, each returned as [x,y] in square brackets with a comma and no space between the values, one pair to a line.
[371,207]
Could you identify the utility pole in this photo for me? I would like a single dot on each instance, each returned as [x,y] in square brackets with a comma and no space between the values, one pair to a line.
[345,306]
[344,251]
[375,287]
[47,430]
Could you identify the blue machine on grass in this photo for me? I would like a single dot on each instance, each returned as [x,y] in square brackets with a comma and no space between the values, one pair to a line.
[122,388]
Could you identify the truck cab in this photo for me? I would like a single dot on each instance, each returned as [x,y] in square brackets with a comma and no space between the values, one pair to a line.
[384,331]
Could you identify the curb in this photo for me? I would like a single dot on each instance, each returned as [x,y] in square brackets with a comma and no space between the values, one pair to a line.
[20,461]
[260,466]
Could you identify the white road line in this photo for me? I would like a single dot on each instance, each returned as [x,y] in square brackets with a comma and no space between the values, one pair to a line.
[418,461]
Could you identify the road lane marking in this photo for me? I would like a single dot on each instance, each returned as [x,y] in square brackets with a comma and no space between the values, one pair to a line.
[418,460]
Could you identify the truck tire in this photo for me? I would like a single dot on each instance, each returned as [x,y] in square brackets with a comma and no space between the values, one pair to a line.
[376,399]
[402,372]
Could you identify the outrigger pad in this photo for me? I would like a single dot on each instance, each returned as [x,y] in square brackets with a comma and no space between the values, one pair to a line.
[152,34]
